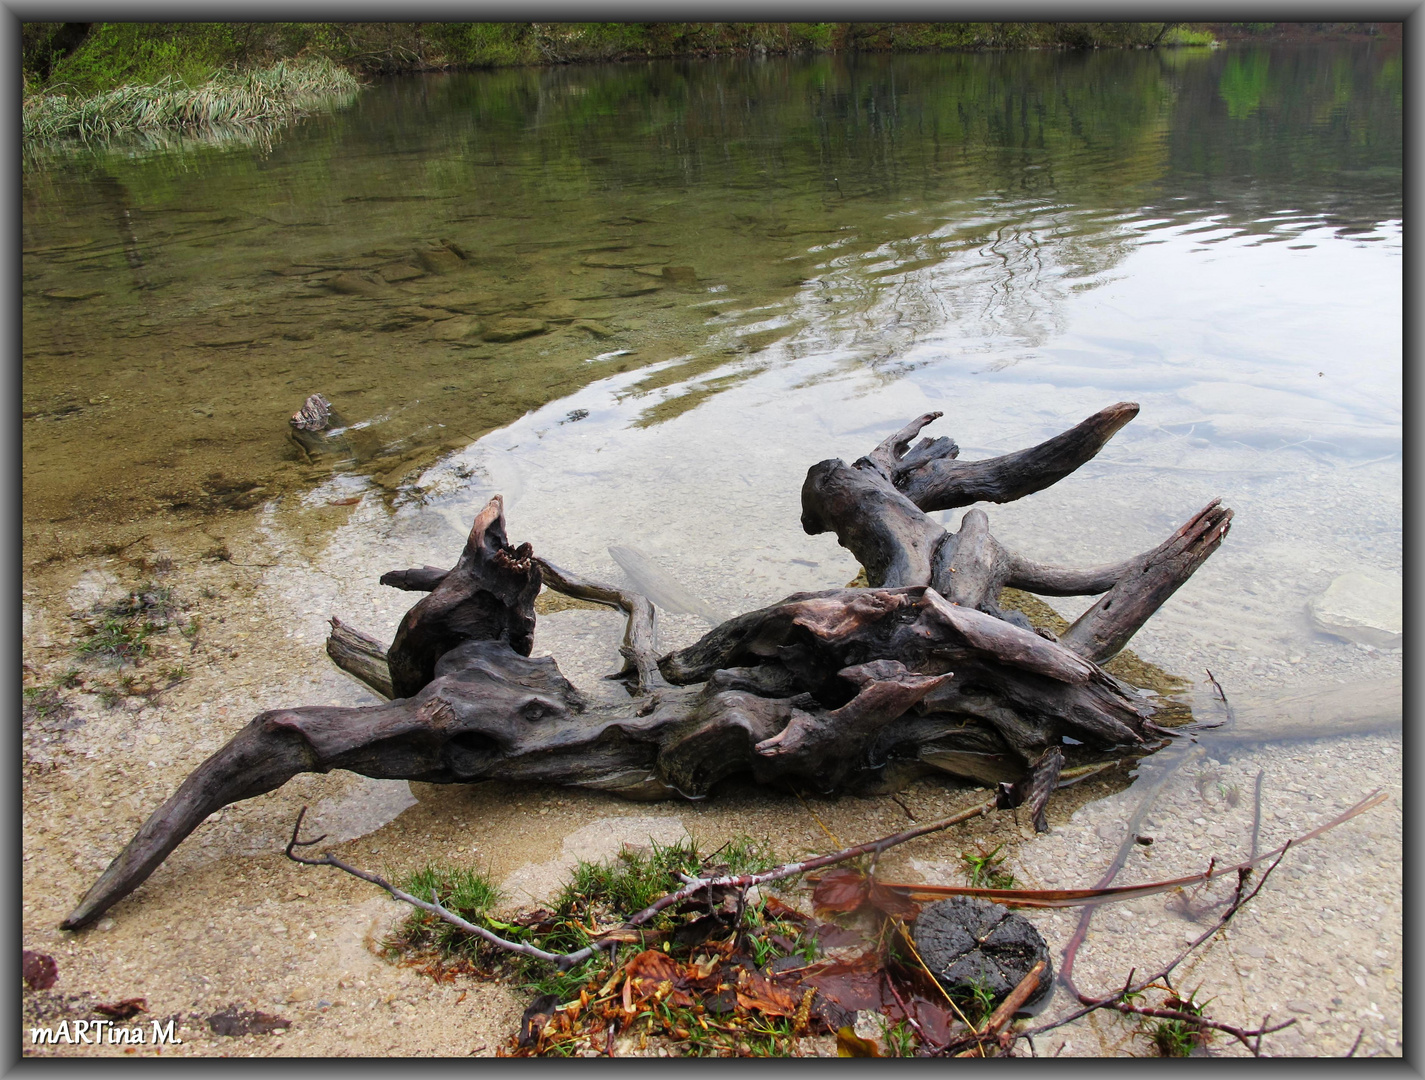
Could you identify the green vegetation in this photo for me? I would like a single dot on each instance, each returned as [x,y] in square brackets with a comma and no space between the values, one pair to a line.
[86,59]
[119,641]
[118,632]
[43,702]
[1184,35]
[597,894]
[1179,1038]
[979,1000]
[260,98]
[983,869]
[467,893]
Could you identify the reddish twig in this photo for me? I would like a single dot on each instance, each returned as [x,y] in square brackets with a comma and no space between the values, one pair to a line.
[1118,1000]
[747,881]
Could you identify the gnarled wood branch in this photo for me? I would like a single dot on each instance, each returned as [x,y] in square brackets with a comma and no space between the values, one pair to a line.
[845,689]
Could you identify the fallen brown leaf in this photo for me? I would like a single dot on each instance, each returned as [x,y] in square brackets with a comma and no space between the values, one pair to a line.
[123,1010]
[38,969]
[849,1044]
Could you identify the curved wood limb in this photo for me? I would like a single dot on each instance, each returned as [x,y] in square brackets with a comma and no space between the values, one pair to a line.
[887,533]
[257,760]
[934,480]
[640,654]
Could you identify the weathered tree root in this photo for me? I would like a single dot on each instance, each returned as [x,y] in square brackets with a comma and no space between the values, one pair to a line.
[845,689]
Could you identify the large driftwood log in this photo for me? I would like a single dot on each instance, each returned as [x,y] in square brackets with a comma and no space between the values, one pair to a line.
[844,689]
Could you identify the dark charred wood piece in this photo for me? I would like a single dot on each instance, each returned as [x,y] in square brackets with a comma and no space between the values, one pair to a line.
[932,478]
[487,596]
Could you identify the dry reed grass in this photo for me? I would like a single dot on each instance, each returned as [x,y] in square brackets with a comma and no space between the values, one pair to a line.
[251,99]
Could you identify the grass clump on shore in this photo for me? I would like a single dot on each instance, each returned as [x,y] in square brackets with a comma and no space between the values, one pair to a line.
[466,892]
[258,98]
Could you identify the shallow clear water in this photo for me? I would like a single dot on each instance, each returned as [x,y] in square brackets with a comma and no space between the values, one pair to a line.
[742,268]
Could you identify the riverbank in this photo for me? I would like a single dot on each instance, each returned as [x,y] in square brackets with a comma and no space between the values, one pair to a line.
[84,59]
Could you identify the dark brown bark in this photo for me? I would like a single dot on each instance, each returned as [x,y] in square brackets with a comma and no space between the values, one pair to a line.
[875,508]
[487,596]
[847,689]
[933,480]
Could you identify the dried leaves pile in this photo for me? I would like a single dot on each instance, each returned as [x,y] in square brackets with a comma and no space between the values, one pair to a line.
[755,990]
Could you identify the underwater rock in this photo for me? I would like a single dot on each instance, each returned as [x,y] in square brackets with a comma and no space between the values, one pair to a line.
[512,329]
[598,329]
[457,329]
[1362,608]
[349,284]
[401,272]
[439,260]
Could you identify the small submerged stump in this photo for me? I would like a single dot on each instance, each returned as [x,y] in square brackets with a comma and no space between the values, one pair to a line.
[968,944]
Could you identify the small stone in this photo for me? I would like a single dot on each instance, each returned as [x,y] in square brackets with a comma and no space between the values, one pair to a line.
[401,272]
[1296,1005]
[1255,951]
[682,275]
[1368,609]
[71,294]
[597,329]
[152,740]
[439,260]
[512,329]
[457,329]
[463,300]
[355,285]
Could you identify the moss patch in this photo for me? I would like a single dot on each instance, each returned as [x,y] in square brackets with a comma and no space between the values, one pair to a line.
[1127,665]
[549,601]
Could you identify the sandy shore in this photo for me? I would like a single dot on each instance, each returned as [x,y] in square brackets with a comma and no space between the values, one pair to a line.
[228,925]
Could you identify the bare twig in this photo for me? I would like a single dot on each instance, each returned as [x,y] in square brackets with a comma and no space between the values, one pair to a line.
[1357,1044]
[1017,997]
[905,1010]
[564,960]
[1118,1000]
[746,881]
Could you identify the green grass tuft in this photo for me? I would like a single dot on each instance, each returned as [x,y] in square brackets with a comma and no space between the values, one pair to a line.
[261,98]
[983,869]
[116,640]
[1184,35]
[467,893]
